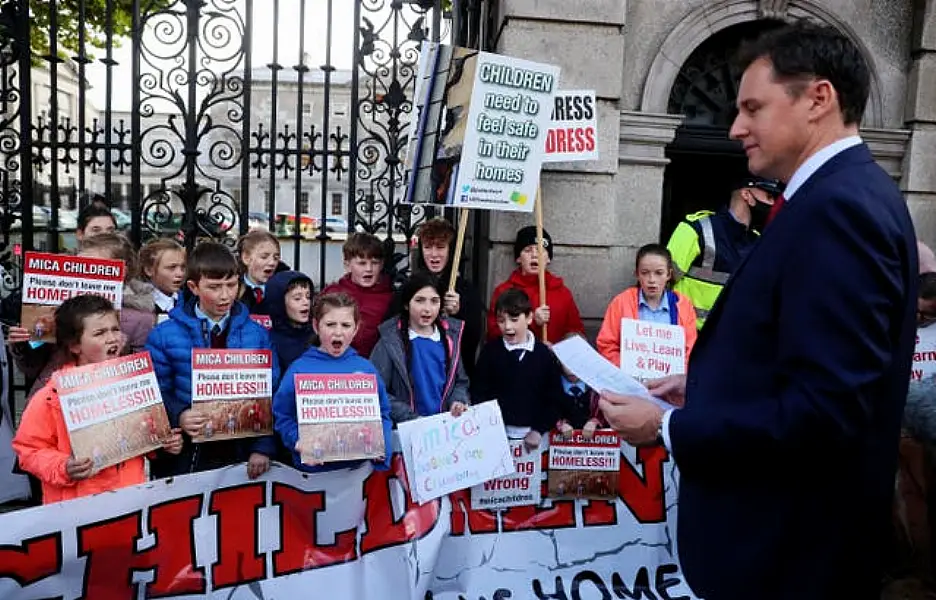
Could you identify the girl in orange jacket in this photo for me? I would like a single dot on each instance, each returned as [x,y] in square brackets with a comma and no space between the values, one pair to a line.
[650,300]
[87,326]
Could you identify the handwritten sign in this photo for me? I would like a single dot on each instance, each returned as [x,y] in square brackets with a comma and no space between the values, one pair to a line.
[444,454]
[924,355]
[651,350]
[233,389]
[50,279]
[113,409]
[573,131]
[521,488]
[339,417]
[583,468]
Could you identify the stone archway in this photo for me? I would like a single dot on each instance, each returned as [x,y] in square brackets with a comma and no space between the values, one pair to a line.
[705,21]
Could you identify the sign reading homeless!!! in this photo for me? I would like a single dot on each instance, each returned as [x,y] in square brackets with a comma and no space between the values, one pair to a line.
[348,534]
[478,137]
[232,389]
[50,279]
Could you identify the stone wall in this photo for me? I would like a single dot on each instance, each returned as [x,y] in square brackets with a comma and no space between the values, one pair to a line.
[630,52]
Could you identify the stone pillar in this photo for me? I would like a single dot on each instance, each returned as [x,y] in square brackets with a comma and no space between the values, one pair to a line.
[584,209]
[919,172]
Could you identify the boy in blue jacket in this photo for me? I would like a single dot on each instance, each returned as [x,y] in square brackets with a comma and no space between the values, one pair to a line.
[336,319]
[211,317]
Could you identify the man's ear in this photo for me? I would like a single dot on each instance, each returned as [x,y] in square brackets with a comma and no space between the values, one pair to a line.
[824,97]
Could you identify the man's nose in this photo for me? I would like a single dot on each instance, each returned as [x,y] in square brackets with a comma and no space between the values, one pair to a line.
[738,128]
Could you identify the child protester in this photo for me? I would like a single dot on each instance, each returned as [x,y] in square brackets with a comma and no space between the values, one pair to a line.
[650,300]
[558,310]
[163,264]
[259,254]
[88,329]
[519,372]
[336,320]
[365,282]
[289,300]
[211,318]
[578,404]
[418,355]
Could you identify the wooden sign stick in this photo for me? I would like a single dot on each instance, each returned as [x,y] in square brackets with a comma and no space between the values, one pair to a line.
[541,271]
[459,245]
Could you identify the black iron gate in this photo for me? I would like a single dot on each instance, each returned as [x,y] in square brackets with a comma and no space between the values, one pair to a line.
[228,124]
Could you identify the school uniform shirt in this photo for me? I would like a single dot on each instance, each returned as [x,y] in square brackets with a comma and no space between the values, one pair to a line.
[164,304]
[524,378]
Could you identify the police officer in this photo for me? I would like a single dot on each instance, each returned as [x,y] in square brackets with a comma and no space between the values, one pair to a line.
[708,246]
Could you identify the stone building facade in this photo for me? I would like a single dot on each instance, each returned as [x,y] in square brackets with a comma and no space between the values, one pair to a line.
[666,85]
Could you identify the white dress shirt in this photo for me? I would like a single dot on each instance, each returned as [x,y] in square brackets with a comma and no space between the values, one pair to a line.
[804,172]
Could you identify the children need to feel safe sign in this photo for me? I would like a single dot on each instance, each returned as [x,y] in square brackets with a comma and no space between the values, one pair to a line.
[233,390]
[113,409]
[50,279]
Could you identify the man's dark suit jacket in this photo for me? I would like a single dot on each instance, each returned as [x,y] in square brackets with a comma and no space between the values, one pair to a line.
[787,445]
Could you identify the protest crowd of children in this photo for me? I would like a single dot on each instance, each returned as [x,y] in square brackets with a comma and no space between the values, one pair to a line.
[422,339]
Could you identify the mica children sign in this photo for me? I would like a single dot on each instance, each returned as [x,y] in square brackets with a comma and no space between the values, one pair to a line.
[50,279]
[233,390]
[113,409]
[339,417]
[444,454]
[583,468]
[573,131]
[651,350]
[480,133]
[524,487]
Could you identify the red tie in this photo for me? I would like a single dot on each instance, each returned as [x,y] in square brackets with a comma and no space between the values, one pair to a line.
[777,205]
[258,294]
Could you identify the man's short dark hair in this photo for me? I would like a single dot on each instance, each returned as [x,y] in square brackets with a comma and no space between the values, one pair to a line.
[211,260]
[928,286]
[513,302]
[803,51]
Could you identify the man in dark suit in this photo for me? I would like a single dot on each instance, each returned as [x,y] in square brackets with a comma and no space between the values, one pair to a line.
[787,438]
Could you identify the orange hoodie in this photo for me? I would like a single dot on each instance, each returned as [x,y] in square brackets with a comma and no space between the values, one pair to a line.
[564,317]
[624,306]
[43,448]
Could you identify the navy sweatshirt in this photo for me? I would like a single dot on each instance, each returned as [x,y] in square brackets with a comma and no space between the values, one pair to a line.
[528,390]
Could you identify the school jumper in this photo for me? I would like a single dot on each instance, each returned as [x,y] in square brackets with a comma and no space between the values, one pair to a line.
[315,361]
[422,384]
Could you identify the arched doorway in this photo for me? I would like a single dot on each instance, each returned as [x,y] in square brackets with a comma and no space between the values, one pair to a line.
[703,160]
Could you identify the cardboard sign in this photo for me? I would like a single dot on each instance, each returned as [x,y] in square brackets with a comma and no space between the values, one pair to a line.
[652,350]
[262,320]
[580,468]
[573,132]
[233,389]
[50,279]
[113,409]
[480,131]
[339,417]
[444,454]
[924,355]
[522,488]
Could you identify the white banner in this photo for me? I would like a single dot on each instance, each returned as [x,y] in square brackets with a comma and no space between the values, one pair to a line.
[573,132]
[350,532]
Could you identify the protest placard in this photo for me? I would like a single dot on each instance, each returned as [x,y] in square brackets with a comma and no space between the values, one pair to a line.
[479,137]
[583,468]
[573,130]
[339,417]
[524,487]
[264,321]
[50,279]
[924,355]
[652,350]
[233,390]
[113,409]
[444,454]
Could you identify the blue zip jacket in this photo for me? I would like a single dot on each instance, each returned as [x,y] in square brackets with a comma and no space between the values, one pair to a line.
[315,361]
[171,344]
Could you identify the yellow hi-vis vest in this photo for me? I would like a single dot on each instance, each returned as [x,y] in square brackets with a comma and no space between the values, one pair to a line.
[701,284]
